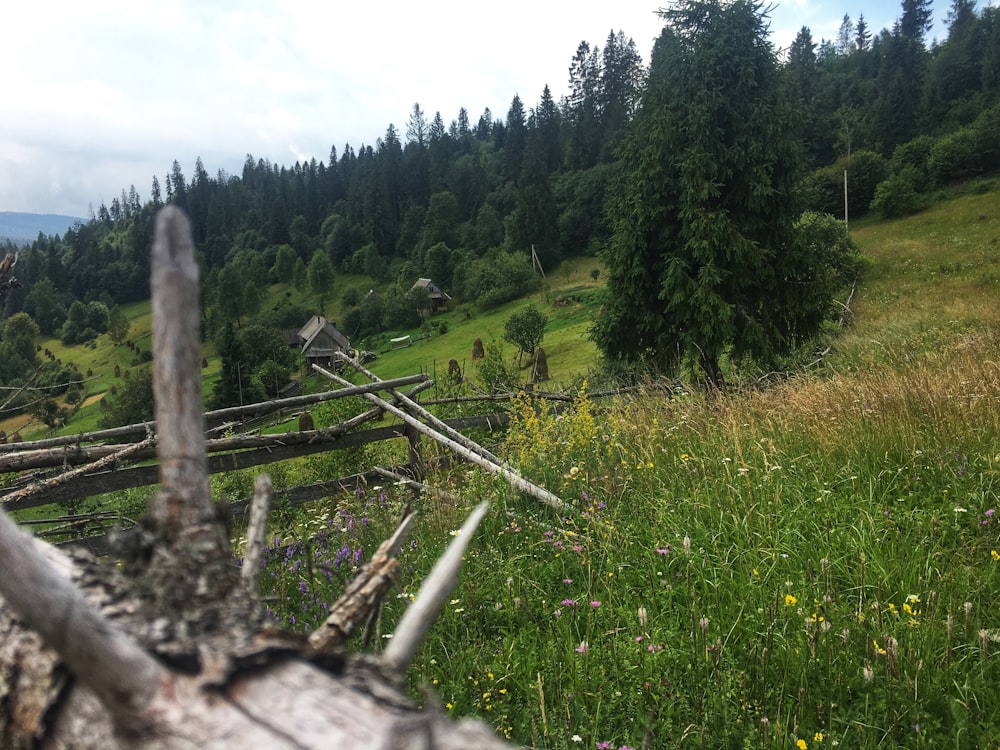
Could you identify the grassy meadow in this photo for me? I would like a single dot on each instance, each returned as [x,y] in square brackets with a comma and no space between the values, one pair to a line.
[812,565]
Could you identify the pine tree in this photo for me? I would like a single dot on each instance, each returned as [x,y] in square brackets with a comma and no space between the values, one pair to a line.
[704,258]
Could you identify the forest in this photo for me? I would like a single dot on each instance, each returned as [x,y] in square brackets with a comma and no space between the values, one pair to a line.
[467,203]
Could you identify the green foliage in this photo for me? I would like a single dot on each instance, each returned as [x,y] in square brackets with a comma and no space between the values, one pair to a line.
[48,412]
[824,188]
[321,276]
[525,329]
[494,372]
[954,157]
[118,325]
[45,306]
[702,211]
[284,263]
[897,196]
[496,278]
[133,403]
[84,322]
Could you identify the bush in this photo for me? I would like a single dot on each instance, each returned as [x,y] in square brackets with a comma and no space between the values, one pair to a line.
[954,157]
[824,188]
[897,196]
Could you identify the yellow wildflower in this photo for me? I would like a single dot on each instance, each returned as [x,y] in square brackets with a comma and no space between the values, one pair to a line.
[790,601]
[801,745]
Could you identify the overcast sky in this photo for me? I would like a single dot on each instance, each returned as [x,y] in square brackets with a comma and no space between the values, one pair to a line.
[101,95]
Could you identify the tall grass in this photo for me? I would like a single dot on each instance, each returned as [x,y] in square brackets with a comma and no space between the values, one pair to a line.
[817,563]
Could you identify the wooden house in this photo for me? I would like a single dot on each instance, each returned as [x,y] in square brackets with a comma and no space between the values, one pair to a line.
[439,299]
[320,340]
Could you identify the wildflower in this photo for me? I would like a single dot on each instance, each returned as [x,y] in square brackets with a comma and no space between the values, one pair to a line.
[790,601]
[567,580]
[582,648]
[568,602]
[878,649]
[574,470]
[818,737]
[454,532]
[801,745]
[663,550]
[603,746]
[595,604]
[994,554]
[576,738]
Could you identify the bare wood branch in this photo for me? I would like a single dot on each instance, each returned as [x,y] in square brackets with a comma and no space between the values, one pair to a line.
[516,480]
[363,594]
[260,508]
[16,498]
[418,410]
[436,589]
[218,415]
[184,501]
[123,676]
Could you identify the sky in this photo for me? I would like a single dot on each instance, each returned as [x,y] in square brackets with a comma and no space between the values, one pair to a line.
[102,95]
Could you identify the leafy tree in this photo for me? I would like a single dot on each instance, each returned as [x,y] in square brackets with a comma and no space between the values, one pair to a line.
[48,412]
[118,325]
[284,263]
[45,305]
[17,348]
[133,403]
[300,275]
[704,260]
[525,329]
[321,276]
[85,322]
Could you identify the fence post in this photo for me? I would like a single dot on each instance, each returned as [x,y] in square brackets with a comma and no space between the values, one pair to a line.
[414,452]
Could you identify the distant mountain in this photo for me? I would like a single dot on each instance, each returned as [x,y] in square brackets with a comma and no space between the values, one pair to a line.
[23,228]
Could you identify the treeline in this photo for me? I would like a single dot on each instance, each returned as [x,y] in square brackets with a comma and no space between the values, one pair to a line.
[465,202]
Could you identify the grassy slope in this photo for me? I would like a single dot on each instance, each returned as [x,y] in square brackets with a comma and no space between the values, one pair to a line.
[814,565]
[817,563]
[571,354]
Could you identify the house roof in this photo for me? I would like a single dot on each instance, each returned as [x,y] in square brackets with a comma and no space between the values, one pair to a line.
[317,326]
[433,290]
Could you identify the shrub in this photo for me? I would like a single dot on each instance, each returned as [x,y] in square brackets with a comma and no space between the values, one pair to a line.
[954,157]
[897,196]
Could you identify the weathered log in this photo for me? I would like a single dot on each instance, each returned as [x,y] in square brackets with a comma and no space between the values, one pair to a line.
[237,413]
[516,480]
[416,409]
[175,654]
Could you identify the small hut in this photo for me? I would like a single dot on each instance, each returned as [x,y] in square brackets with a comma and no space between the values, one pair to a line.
[320,341]
[439,299]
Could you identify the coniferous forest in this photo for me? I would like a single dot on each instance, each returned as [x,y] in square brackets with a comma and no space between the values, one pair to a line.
[464,200]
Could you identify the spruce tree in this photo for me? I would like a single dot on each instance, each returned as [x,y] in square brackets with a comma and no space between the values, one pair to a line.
[704,259]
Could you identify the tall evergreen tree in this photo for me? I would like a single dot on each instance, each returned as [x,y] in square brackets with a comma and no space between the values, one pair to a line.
[703,258]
